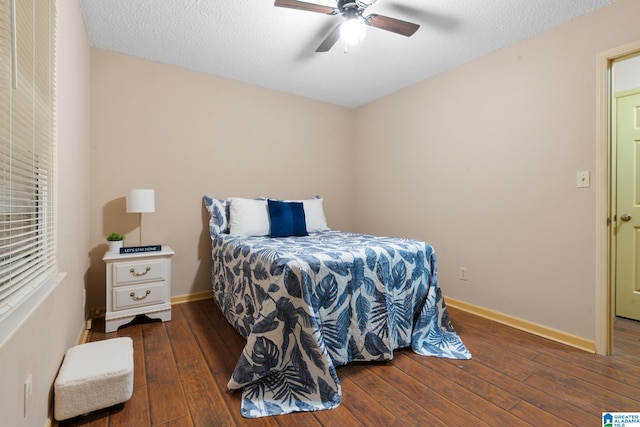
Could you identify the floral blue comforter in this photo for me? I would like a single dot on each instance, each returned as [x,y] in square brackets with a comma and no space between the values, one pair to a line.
[309,304]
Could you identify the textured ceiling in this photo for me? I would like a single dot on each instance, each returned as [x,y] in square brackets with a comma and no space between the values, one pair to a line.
[254,42]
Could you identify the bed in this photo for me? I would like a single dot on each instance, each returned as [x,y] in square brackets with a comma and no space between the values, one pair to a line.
[307,304]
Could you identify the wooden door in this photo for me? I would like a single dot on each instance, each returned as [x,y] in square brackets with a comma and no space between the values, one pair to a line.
[627,300]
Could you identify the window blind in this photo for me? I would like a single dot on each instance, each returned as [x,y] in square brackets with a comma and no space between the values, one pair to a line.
[27,149]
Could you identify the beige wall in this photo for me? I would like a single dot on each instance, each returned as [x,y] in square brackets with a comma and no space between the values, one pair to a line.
[187,134]
[480,161]
[38,346]
[484,161]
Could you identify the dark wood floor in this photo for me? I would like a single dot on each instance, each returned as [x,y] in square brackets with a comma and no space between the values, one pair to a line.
[182,368]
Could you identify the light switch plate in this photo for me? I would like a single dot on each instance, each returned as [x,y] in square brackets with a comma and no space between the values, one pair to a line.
[584,179]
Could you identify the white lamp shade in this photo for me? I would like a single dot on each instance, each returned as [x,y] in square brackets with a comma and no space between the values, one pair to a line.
[141,200]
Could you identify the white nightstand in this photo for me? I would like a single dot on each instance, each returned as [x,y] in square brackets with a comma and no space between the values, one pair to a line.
[138,283]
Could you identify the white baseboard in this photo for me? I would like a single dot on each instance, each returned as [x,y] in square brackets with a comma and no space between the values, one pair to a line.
[524,325]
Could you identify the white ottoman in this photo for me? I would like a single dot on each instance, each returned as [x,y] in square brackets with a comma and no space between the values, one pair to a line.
[94,376]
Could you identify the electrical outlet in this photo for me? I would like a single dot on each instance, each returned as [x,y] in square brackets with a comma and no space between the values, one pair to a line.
[28,394]
[463,273]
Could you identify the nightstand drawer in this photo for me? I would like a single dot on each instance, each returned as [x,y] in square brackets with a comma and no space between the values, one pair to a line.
[127,273]
[138,296]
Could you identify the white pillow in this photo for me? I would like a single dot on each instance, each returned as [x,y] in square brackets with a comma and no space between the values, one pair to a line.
[314,215]
[248,217]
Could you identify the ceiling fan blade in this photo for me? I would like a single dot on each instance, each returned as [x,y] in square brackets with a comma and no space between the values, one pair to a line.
[391,24]
[330,40]
[310,7]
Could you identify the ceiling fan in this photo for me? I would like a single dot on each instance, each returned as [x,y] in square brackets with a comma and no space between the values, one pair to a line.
[353,29]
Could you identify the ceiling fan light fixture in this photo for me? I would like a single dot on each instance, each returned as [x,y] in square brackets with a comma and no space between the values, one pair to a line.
[353,30]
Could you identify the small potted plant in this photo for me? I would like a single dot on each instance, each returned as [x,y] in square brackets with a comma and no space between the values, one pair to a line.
[115,242]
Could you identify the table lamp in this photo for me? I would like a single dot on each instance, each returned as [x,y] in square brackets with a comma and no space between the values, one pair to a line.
[140,201]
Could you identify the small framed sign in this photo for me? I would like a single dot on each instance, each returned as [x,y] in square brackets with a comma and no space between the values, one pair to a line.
[139,249]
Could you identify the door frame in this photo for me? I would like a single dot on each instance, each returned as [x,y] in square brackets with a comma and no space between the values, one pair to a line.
[605,179]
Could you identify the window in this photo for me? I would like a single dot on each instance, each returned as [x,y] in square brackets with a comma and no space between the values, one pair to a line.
[27,155]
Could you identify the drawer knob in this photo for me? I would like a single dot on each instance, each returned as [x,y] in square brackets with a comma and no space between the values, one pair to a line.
[133,271]
[137,298]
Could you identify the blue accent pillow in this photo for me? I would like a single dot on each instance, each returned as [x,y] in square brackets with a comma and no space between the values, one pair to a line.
[287,218]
